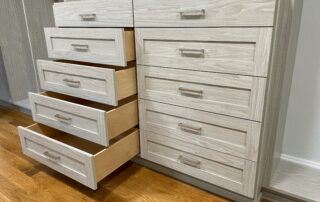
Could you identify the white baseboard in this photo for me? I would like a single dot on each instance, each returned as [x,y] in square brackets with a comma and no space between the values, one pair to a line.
[300,161]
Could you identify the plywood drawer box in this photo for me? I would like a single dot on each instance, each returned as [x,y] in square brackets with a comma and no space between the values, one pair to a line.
[229,172]
[203,13]
[94,13]
[91,121]
[233,95]
[110,46]
[229,50]
[233,136]
[97,84]
[83,161]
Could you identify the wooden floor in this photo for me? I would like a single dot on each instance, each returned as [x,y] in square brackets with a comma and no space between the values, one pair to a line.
[23,179]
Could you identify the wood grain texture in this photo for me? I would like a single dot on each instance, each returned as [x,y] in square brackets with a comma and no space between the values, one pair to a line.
[237,137]
[25,179]
[281,70]
[223,170]
[95,45]
[97,123]
[82,160]
[228,50]
[203,13]
[97,84]
[233,95]
[108,13]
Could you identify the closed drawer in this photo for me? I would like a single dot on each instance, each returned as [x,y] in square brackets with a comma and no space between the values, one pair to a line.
[232,173]
[83,161]
[97,84]
[91,121]
[94,13]
[111,46]
[233,95]
[233,136]
[203,13]
[229,50]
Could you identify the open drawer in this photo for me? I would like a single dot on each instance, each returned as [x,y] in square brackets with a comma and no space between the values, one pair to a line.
[81,160]
[110,46]
[91,121]
[95,83]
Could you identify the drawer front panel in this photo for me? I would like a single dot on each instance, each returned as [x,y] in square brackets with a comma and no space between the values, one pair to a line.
[234,95]
[62,158]
[229,50]
[91,83]
[105,46]
[237,137]
[229,172]
[203,13]
[94,13]
[78,120]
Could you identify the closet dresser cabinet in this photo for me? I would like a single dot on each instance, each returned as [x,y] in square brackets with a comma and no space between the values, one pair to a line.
[87,117]
[204,68]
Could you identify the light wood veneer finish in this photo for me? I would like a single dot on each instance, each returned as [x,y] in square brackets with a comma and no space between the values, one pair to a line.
[91,121]
[110,46]
[80,160]
[94,13]
[203,13]
[104,85]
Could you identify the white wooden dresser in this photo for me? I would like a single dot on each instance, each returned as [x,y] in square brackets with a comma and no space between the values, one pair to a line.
[203,72]
[87,118]
[207,74]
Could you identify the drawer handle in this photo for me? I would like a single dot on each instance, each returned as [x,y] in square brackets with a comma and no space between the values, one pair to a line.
[193,14]
[196,53]
[190,129]
[62,118]
[80,47]
[88,17]
[51,156]
[190,92]
[189,162]
[72,83]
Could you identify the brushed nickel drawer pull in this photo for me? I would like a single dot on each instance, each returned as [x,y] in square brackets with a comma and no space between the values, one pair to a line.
[72,83]
[193,14]
[80,47]
[62,118]
[190,129]
[88,17]
[189,162]
[51,156]
[199,53]
[190,92]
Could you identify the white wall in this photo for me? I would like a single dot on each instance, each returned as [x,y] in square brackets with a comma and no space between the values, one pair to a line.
[302,130]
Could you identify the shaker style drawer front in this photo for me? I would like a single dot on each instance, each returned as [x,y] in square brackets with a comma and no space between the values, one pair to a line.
[91,121]
[228,135]
[110,46]
[88,82]
[78,159]
[223,170]
[228,50]
[203,13]
[233,95]
[94,13]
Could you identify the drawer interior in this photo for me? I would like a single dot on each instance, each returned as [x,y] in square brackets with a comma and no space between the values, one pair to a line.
[88,103]
[78,143]
[104,159]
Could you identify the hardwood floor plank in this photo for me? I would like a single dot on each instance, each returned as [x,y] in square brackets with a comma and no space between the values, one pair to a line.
[23,179]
